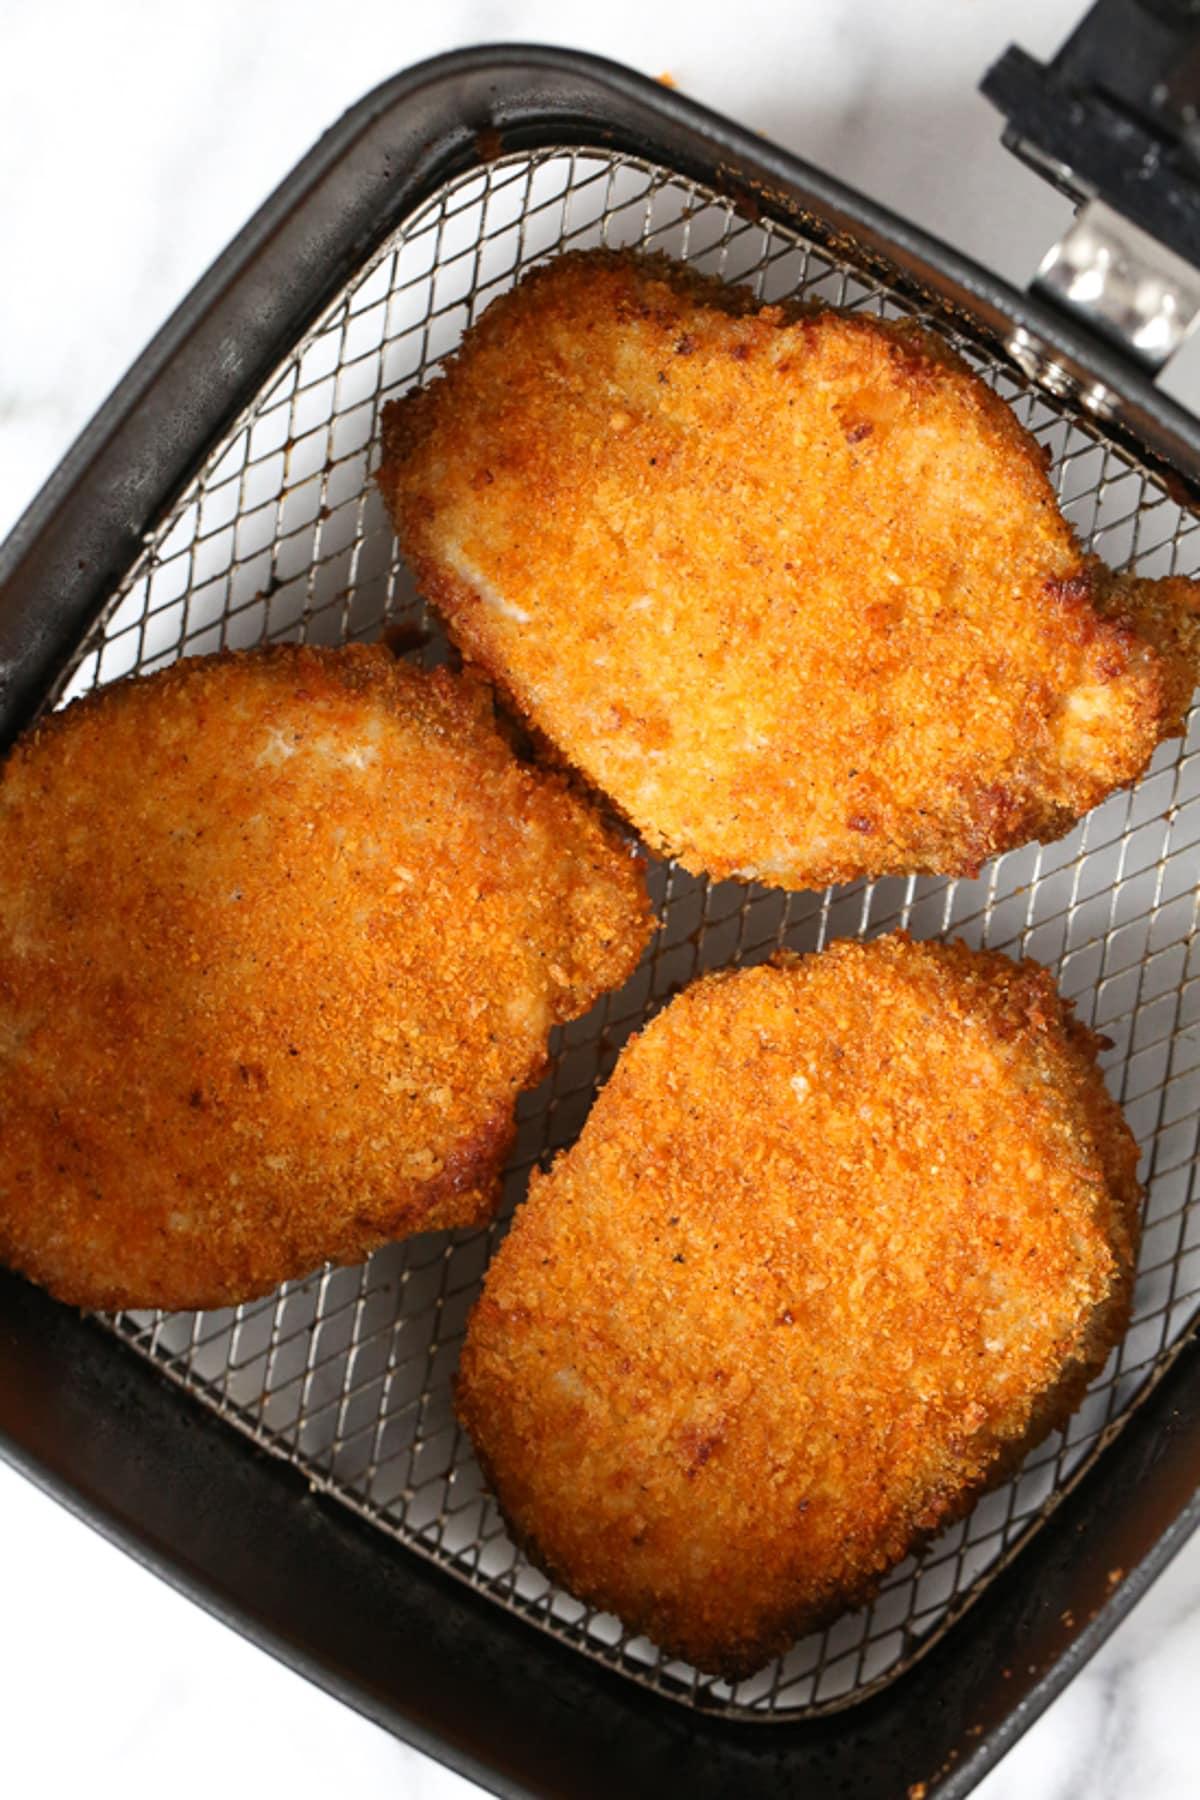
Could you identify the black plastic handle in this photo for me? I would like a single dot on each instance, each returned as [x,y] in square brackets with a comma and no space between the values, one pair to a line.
[1115,115]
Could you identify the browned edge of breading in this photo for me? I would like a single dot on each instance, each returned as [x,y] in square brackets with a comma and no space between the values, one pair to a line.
[409,420]
[1164,612]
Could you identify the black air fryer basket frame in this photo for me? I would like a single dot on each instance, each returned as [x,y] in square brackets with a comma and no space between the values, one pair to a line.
[102,1431]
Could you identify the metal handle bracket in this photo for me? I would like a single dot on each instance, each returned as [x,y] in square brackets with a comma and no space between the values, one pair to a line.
[1114,122]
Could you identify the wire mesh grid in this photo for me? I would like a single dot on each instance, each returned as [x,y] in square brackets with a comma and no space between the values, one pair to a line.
[282,536]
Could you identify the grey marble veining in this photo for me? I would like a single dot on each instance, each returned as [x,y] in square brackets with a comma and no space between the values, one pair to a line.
[1127,1726]
[134,141]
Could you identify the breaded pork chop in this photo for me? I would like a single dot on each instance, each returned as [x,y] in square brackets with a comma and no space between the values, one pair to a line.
[841,1239]
[282,936]
[792,588]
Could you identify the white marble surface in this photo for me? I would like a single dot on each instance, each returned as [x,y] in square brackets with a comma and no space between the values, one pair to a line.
[134,140]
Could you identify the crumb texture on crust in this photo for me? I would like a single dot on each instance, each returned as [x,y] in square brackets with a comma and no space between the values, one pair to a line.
[282,937]
[792,588]
[842,1238]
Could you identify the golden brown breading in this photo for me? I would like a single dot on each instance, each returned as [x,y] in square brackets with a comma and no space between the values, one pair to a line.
[841,1239]
[792,588]
[282,936]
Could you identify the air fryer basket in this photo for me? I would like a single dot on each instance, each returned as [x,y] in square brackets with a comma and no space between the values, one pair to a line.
[276,532]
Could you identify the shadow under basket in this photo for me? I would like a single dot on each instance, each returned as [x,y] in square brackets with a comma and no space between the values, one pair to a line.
[223,498]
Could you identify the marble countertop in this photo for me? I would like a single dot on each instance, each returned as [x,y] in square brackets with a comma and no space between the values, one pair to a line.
[134,141]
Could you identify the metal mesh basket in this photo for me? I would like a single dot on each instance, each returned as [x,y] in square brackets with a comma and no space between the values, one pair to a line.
[282,536]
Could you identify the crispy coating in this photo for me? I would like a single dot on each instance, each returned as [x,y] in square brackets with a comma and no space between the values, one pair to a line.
[791,587]
[282,936]
[841,1239]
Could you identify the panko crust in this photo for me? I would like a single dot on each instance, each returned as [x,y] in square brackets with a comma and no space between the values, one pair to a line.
[790,586]
[282,937]
[842,1238]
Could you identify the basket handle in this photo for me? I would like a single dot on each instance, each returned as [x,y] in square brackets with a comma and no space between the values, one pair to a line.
[1114,122]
